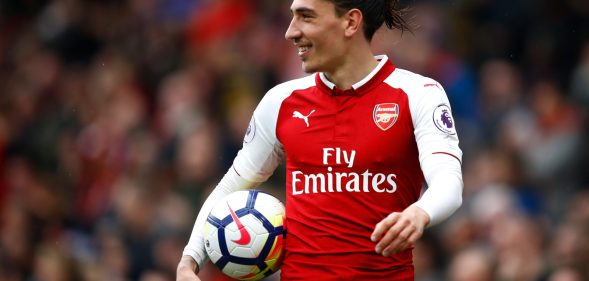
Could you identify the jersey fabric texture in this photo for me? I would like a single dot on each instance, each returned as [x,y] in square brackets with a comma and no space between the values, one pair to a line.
[352,158]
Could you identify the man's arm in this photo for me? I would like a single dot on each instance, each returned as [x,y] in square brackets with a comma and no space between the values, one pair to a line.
[440,159]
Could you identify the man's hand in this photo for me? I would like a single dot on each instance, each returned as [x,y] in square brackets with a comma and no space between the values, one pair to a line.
[398,231]
[187,269]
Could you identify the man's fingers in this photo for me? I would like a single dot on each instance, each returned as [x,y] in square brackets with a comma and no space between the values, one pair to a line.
[399,230]
[400,242]
[383,226]
[391,234]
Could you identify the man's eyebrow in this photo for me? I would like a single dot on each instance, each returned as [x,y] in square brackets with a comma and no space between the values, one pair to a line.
[302,10]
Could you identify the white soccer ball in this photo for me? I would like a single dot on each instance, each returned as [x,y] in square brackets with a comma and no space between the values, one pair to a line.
[244,235]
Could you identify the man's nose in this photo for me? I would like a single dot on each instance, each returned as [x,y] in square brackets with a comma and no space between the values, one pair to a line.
[292,32]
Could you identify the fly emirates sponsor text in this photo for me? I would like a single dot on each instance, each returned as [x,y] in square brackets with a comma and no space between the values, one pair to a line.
[341,181]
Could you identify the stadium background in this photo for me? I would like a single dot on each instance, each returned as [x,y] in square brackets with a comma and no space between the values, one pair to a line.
[117,117]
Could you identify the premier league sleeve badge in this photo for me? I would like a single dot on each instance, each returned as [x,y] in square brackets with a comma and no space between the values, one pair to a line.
[443,120]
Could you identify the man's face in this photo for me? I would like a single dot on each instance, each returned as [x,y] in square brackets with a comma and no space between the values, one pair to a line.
[318,34]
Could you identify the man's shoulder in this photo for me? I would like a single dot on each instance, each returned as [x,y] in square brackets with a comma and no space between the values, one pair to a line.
[275,96]
[286,88]
[414,85]
[409,81]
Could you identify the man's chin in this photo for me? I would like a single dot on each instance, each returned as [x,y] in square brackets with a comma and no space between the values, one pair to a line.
[307,68]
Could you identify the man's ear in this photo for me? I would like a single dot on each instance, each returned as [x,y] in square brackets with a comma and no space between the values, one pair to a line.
[353,22]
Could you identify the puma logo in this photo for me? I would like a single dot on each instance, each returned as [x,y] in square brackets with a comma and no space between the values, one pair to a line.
[433,85]
[299,115]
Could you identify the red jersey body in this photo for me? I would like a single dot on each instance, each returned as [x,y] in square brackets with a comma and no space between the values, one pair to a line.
[352,158]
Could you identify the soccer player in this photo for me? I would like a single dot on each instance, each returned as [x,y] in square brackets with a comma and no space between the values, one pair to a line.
[360,137]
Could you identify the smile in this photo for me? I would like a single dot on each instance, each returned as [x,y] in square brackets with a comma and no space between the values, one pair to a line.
[302,50]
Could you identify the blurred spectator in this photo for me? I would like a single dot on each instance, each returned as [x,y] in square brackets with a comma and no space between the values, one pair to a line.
[565,274]
[475,264]
[580,78]
[501,89]
[52,264]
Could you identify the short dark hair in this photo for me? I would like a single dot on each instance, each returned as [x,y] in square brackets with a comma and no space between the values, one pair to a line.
[376,13]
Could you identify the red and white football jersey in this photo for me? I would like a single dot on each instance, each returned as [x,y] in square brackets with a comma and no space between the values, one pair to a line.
[352,158]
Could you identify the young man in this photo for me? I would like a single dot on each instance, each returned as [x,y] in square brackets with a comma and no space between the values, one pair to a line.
[360,136]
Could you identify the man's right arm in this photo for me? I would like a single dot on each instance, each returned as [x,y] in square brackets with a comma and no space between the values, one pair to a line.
[254,164]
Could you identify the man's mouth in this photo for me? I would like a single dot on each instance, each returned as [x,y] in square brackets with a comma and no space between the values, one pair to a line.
[303,50]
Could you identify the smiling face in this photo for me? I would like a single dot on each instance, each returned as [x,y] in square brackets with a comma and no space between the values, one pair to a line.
[318,34]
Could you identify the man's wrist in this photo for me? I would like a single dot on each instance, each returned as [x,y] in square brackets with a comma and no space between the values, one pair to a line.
[421,215]
[188,263]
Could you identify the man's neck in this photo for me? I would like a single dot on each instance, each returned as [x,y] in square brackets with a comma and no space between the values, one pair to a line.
[352,70]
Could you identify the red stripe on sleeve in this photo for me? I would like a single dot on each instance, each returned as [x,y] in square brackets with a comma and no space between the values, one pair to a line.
[236,171]
[449,154]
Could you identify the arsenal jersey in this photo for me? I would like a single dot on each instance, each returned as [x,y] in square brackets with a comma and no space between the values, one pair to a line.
[352,158]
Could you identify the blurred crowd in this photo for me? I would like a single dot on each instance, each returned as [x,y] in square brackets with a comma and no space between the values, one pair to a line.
[117,117]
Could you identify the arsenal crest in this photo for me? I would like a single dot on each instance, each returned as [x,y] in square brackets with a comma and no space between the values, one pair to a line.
[385,115]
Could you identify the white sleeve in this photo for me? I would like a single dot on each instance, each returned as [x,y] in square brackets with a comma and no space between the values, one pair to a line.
[262,152]
[439,154]
[444,193]
[231,182]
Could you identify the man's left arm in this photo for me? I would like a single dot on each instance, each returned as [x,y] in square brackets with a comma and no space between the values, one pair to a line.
[440,159]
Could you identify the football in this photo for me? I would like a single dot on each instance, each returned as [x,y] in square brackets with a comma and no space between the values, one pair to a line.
[244,235]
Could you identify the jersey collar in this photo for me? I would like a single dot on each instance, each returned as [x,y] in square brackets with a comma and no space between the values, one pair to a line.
[384,68]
